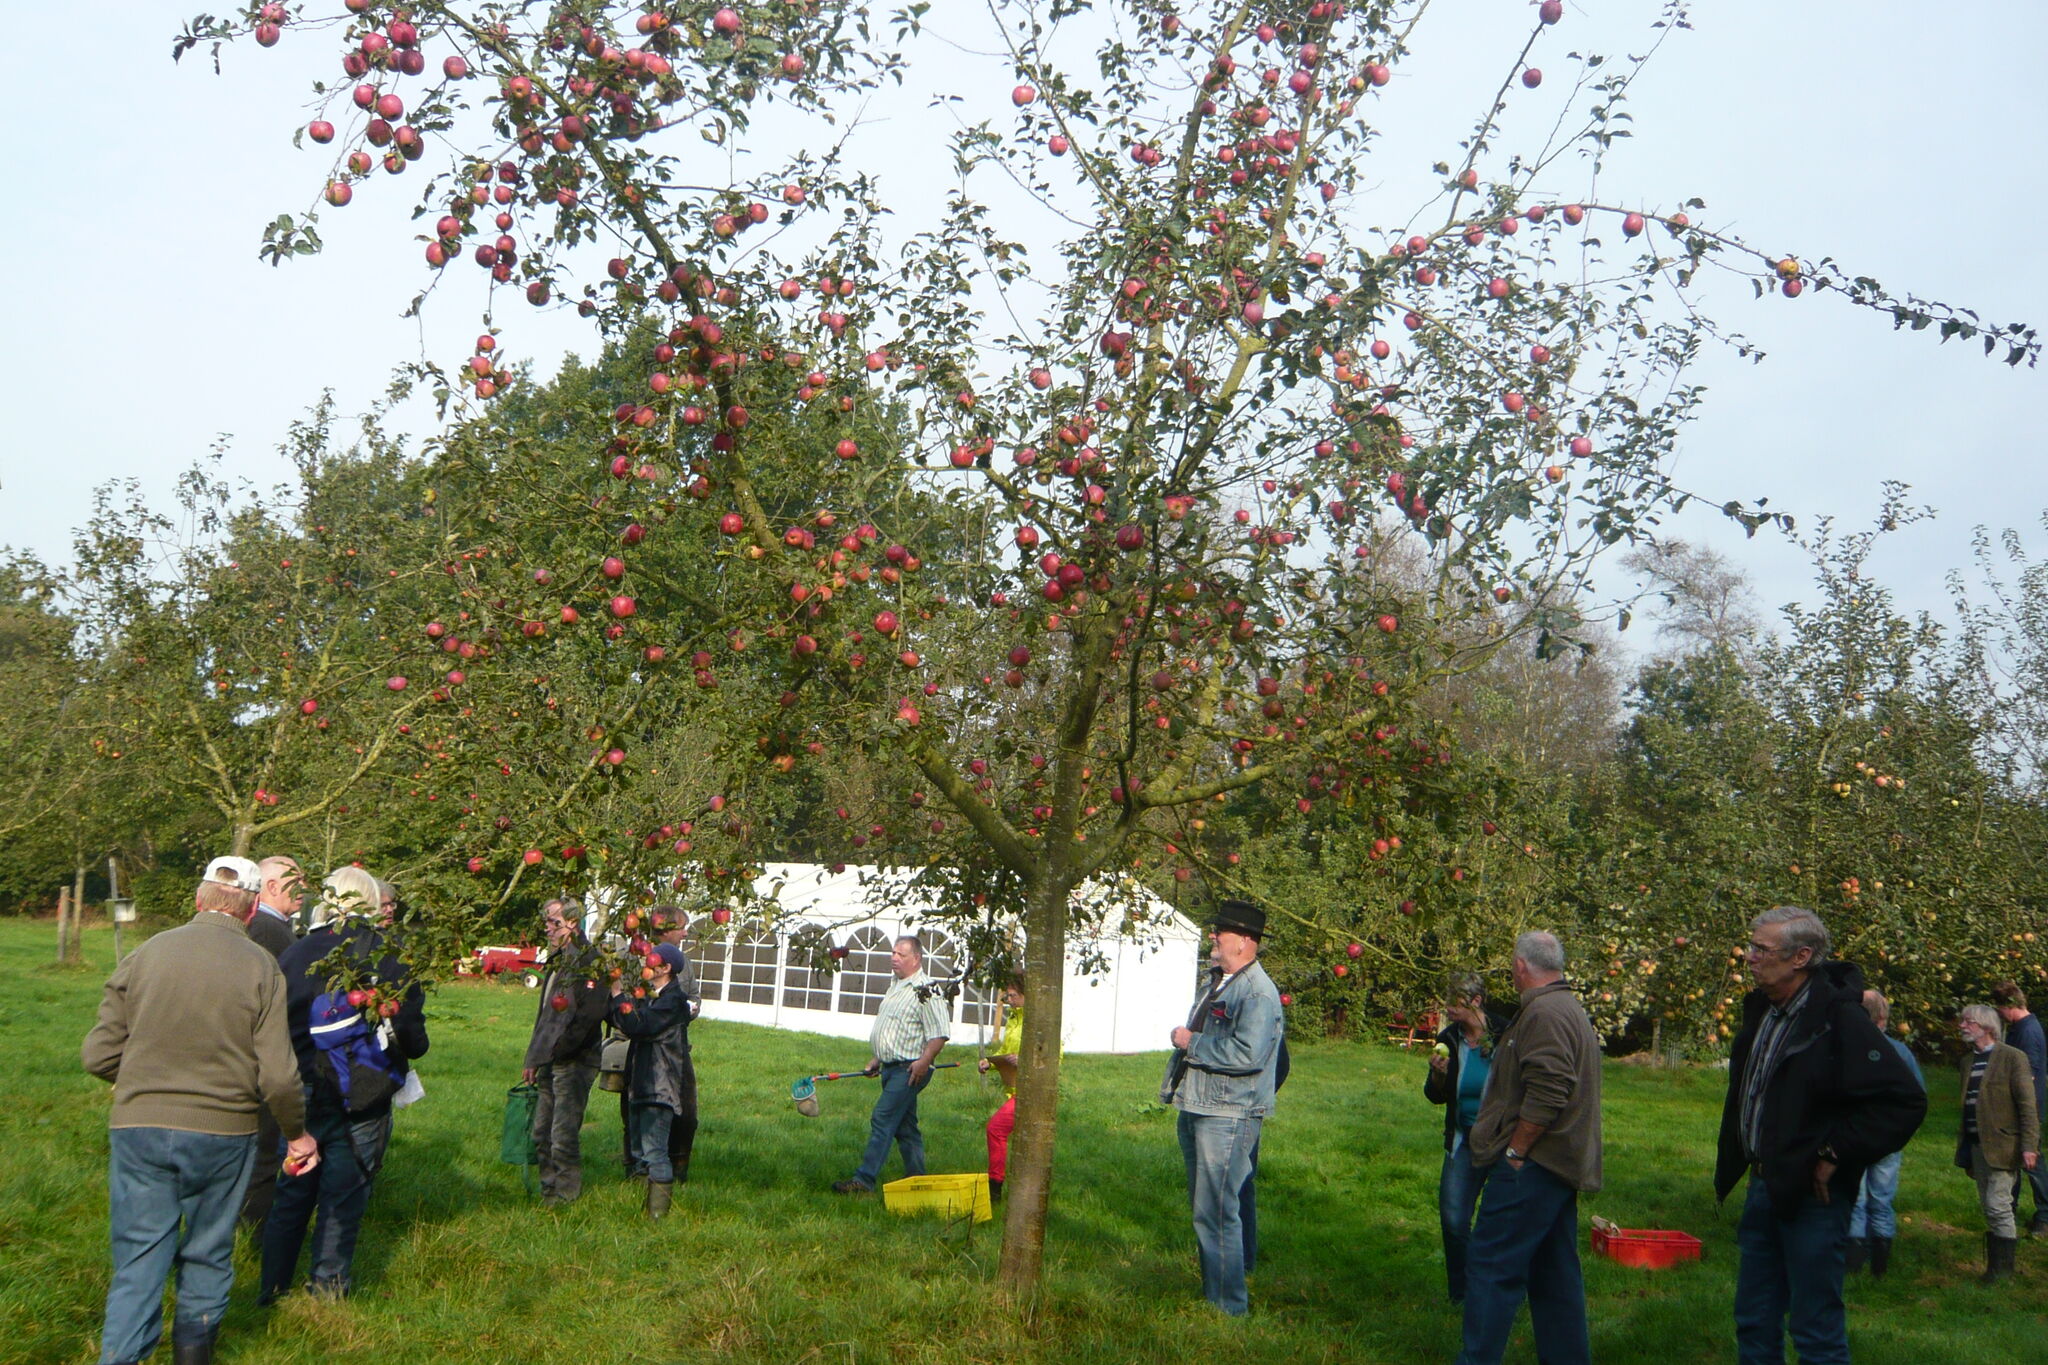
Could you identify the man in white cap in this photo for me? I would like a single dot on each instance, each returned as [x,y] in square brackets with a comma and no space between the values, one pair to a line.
[192,1033]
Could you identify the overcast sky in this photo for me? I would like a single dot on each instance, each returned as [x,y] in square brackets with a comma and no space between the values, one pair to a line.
[1903,139]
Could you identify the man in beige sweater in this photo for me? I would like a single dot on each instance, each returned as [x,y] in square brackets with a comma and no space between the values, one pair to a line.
[192,1034]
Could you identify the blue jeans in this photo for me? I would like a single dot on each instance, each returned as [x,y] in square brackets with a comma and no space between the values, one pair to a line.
[2038,1178]
[1457,1196]
[649,1126]
[1248,1212]
[894,1120]
[338,1190]
[157,1179]
[1872,1215]
[1525,1244]
[1218,1154]
[1790,1277]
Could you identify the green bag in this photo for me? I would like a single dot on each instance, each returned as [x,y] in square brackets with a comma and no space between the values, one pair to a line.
[515,1142]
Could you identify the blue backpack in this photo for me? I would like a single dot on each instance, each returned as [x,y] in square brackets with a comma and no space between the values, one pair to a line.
[354,1061]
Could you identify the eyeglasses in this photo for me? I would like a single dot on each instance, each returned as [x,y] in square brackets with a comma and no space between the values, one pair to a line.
[1756,949]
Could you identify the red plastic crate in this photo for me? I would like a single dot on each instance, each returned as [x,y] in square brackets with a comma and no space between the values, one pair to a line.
[1645,1248]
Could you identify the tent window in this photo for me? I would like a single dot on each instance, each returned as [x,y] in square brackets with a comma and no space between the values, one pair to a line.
[802,988]
[864,975]
[752,978]
[707,959]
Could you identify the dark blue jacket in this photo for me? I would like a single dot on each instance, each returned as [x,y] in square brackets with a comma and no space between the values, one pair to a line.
[303,980]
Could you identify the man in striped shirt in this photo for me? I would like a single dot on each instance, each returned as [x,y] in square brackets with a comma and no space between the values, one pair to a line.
[910,1031]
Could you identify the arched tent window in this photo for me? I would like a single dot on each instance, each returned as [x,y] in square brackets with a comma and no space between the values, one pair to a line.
[707,959]
[943,960]
[750,979]
[802,988]
[864,974]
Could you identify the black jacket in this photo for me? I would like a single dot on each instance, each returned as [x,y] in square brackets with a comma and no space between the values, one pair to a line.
[303,981]
[1839,1084]
[272,932]
[659,1057]
[572,1034]
[1442,1087]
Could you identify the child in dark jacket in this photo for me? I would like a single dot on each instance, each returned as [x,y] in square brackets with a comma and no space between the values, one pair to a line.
[659,1027]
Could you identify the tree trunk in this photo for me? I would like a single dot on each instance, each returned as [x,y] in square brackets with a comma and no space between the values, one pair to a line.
[245,835]
[63,924]
[1027,1188]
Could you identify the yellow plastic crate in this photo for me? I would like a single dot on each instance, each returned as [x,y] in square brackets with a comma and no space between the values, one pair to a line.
[949,1196]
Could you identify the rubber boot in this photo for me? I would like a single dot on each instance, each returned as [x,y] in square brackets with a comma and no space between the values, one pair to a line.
[659,1193]
[1854,1253]
[1880,1256]
[1998,1258]
[193,1352]
[995,1191]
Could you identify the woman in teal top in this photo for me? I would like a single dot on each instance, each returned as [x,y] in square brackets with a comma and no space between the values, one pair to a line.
[1458,1069]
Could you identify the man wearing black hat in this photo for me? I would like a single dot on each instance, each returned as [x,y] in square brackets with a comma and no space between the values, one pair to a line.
[1222,1079]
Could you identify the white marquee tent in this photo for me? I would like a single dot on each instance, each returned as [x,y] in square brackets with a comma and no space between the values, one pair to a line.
[1125,990]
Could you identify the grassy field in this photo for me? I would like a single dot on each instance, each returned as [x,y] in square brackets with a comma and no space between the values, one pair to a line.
[761,1263]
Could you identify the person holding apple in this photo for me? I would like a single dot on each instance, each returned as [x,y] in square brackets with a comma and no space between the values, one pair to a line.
[670,925]
[655,1015]
[563,1051]
[1222,1078]
[192,1035]
[1456,1079]
[354,1129]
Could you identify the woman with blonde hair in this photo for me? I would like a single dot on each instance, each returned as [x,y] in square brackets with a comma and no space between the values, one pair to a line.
[353,1120]
[347,893]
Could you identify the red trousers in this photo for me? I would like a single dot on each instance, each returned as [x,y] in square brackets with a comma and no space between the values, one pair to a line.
[1000,1125]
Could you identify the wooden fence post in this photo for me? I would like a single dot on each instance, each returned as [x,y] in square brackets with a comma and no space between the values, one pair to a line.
[63,924]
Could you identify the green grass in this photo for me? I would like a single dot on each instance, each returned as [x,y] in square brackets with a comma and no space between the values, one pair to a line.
[760,1263]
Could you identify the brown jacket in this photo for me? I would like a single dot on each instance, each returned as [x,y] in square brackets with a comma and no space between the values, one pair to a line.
[1546,1069]
[192,1033]
[2008,1124]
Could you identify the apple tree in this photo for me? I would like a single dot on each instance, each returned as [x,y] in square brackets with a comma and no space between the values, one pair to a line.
[1170,367]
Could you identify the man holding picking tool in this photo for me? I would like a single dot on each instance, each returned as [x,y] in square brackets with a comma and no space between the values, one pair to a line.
[910,1031]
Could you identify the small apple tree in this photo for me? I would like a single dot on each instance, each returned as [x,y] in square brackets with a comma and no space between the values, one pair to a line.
[1166,451]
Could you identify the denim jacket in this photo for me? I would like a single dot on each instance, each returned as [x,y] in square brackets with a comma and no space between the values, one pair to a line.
[1231,1063]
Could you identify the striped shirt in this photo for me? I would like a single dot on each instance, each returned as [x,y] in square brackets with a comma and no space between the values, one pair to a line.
[1763,1061]
[1978,1065]
[913,1013]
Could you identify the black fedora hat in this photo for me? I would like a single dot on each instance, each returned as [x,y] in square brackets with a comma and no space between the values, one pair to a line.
[1239,917]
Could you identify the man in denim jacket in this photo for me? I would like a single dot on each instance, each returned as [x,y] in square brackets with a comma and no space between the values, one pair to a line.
[1222,1079]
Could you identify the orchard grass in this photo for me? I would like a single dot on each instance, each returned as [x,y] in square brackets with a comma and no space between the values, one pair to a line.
[760,1262]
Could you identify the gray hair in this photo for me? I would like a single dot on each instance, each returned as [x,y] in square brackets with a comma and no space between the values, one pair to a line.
[1803,929]
[1541,951]
[1984,1017]
[916,943]
[1467,986]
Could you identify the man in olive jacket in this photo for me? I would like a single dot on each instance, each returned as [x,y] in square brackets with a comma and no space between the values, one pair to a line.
[1537,1141]
[562,1055]
[2001,1133]
[192,1034]
[1815,1095]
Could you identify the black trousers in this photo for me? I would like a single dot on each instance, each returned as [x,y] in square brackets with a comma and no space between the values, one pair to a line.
[682,1134]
